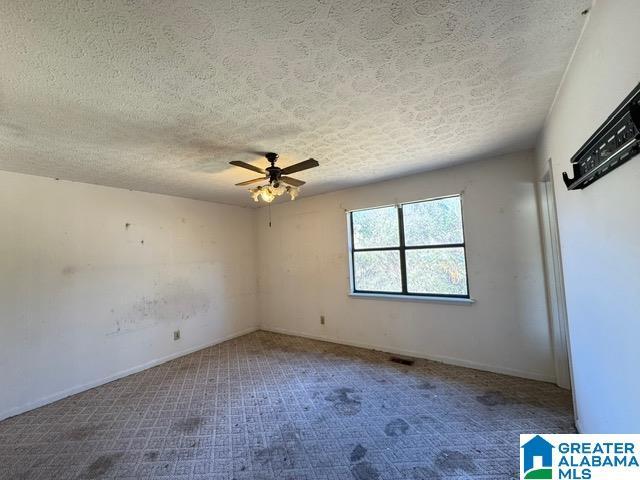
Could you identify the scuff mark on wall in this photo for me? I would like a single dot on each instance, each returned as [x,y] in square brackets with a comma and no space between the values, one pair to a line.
[172,302]
[69,270]
[75,275]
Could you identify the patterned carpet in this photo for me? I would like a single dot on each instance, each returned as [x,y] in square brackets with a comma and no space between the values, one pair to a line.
[268,406]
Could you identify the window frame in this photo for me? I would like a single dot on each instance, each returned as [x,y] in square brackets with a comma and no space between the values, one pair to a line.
[402,249]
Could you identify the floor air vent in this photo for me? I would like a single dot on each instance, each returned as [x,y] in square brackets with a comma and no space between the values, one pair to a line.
[402,361]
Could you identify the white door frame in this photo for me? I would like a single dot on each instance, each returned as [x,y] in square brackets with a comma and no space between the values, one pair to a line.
[555,281]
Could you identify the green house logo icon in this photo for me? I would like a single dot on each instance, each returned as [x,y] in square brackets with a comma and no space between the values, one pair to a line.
[539,448]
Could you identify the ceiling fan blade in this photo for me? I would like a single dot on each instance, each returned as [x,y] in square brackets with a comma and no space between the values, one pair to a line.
[300,166]
[249,182]
[292,181]
[246,165]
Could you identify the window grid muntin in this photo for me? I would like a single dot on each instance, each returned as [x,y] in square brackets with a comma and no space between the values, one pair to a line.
[403,248]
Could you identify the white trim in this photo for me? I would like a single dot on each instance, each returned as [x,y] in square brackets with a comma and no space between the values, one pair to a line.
[578,425]
[437,358]
[414,298]
[123,373]
[554,279]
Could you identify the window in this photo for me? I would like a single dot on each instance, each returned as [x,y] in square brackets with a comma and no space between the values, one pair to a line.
[414,248]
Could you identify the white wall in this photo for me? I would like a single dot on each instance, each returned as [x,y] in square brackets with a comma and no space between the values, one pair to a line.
[600,226]
[83,300]
[304,272]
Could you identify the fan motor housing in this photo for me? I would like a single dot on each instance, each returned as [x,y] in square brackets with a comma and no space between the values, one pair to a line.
[272,157]
[273,172]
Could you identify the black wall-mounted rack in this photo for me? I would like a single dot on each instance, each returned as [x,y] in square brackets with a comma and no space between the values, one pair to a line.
[614,143]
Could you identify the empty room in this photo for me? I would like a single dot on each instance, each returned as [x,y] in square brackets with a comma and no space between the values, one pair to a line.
[319,239]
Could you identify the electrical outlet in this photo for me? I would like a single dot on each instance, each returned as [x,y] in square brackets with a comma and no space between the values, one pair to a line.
[176,335]
[321,319]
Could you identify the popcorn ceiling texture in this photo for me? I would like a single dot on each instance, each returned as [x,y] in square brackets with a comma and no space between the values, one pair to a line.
[159,96]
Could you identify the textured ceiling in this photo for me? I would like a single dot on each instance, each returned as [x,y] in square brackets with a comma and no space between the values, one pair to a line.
[158,96]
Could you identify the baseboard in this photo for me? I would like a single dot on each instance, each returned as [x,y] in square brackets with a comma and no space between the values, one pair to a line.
[437,358]
[124,373]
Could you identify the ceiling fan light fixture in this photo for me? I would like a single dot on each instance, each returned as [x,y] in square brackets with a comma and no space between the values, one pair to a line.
[268,193]
[278,188]
[293,192]
[255,194]
[263,192]
[279,180]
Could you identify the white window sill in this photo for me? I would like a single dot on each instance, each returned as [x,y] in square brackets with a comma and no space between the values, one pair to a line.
[414,298]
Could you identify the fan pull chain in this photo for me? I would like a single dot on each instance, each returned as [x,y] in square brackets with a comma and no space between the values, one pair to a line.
[269,215]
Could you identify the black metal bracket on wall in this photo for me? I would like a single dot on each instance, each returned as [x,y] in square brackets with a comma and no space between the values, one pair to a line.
[614,143]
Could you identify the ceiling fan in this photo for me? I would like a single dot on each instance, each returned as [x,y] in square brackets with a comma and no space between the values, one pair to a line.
[279,181]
